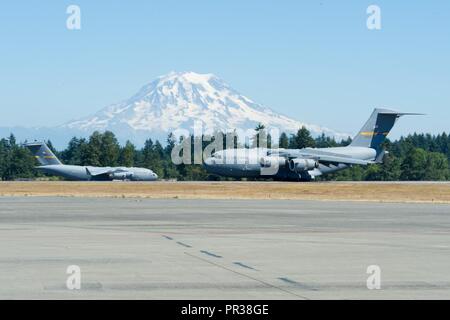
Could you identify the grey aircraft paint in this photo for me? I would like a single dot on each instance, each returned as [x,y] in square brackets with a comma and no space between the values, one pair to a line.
[50,164]
[305,164]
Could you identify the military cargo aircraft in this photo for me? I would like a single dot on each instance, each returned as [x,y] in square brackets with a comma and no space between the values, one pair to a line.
[50,164]
[308,163]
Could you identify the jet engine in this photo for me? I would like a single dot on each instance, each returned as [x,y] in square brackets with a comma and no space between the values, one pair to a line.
[299,165]
[121,175]
[272,161]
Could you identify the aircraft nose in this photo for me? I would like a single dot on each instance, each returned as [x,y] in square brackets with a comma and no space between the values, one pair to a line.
[210,165]
[209,162]
[151,175]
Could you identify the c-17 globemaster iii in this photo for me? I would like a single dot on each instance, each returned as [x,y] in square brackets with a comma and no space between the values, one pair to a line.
[308,163]
[50,164]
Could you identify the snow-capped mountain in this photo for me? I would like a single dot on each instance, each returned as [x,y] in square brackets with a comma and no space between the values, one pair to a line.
[177,101]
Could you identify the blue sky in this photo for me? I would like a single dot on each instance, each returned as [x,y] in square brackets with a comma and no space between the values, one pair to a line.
[312,60]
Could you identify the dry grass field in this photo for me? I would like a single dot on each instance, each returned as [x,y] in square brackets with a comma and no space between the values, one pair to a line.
[344,191]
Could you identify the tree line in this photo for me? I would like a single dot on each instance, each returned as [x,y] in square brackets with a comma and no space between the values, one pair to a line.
[414,157]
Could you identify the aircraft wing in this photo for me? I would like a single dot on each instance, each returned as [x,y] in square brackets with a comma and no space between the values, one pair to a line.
[94,172]
[108,173]
[324,158]
[344,160]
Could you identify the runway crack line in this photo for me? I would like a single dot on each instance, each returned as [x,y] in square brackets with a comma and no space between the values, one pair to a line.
[210,254]
[247,276]
[243,265]
[184,244]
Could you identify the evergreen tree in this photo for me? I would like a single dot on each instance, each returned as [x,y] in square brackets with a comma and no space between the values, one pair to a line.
[260,138]
[4,158]
[414,164]
[109,149]
[284,141]
[170,169]
[127,155]
[437,167]
[323,141]
[73,153]
[302,139]
[15,161]
[12,140]
[21,163]
[91,155]
[345,142]
[152,157]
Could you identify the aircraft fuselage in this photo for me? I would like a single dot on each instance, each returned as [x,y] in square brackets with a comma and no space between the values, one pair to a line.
[72,172]
[245,163]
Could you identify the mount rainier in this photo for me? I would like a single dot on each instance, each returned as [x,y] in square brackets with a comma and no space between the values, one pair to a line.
[177,101]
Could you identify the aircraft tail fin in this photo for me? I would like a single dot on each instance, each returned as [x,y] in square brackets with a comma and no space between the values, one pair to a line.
[374,132]
[42,153]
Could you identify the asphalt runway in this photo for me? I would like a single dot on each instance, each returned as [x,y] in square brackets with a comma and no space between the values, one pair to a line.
[222,249]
